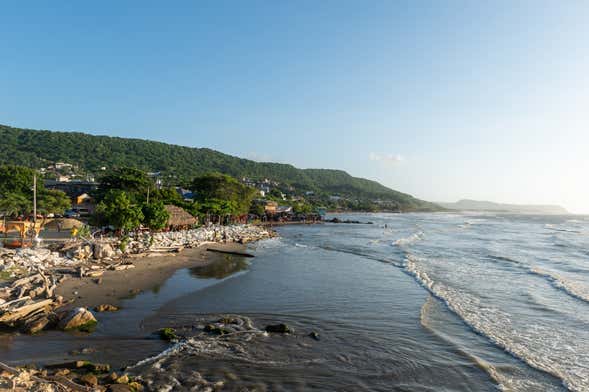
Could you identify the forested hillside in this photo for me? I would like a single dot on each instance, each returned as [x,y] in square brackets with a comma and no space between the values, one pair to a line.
[178,163]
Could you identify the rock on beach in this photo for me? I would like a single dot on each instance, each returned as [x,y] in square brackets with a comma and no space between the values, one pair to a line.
[77,318]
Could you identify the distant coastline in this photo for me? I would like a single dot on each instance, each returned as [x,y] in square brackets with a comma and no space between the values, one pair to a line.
[489,206]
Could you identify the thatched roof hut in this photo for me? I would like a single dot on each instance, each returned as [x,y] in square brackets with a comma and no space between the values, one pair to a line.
[179,217]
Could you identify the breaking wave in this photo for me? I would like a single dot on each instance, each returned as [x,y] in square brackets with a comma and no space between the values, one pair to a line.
[540,347]
[573,289]
[409,240]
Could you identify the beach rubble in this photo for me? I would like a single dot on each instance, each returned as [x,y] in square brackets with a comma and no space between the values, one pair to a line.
[30,276]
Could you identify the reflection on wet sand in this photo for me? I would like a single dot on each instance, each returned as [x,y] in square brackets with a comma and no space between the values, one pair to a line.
[221,268]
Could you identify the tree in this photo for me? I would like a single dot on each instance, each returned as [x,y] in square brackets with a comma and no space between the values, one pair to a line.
[167,196]
[224,193]
[16,188]
[302,208]
[17,179]
[133,181]
[52,202]
[116,210]
[13,204]
[275,194]
[155,215]
[258,208]
[221,209]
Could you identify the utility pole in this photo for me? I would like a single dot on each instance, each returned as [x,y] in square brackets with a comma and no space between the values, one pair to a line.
[147,195]
[35,199]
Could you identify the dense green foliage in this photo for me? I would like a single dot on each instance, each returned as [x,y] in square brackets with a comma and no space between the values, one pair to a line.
[155,215]
[12,204]
[134,182]
[180,164]
[52,201]
[258,208]
[221,194]
[116,209]
[16,193]
[16,179]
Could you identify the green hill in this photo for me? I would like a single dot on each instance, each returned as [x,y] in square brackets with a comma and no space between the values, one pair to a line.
[37,149]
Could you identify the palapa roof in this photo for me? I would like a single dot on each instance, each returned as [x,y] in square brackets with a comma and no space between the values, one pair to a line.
[179,216]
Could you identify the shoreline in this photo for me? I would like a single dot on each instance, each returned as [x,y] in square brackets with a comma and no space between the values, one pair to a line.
[148,272]
[143,270]
[114,288]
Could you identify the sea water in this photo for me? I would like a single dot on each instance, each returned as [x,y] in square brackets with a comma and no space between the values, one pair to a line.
[411,302]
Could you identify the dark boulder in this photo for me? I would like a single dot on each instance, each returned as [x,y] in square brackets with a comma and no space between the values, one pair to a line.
[168,334]
[314,335]
[216,330]
[279,328]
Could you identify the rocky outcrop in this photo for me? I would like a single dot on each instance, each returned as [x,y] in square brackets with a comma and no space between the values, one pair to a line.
[78,318]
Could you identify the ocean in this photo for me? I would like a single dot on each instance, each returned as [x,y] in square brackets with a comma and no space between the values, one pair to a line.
[410,302]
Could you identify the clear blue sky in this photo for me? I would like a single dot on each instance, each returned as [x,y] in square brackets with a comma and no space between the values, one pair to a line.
[440,99]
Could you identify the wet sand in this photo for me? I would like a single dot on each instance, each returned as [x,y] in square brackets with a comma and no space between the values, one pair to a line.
[149,272]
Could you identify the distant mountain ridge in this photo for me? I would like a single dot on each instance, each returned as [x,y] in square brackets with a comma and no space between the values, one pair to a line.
[477,205]
[35,148]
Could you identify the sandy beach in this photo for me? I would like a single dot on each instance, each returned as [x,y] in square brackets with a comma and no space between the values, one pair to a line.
[148,273]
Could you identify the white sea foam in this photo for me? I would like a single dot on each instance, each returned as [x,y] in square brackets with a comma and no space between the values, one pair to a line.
[573,289]
[409,240]
[540,346]
[507,378]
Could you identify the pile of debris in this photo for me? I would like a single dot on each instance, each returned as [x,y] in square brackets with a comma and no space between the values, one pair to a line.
[78,376]
[28,302]
[23,261]
[31,305]
[29,277]
[192,238]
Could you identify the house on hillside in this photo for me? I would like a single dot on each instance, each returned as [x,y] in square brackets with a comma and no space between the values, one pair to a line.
[84,204]
[179,218]
[270,207]
[284,210]
[63,165]
[72,188]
